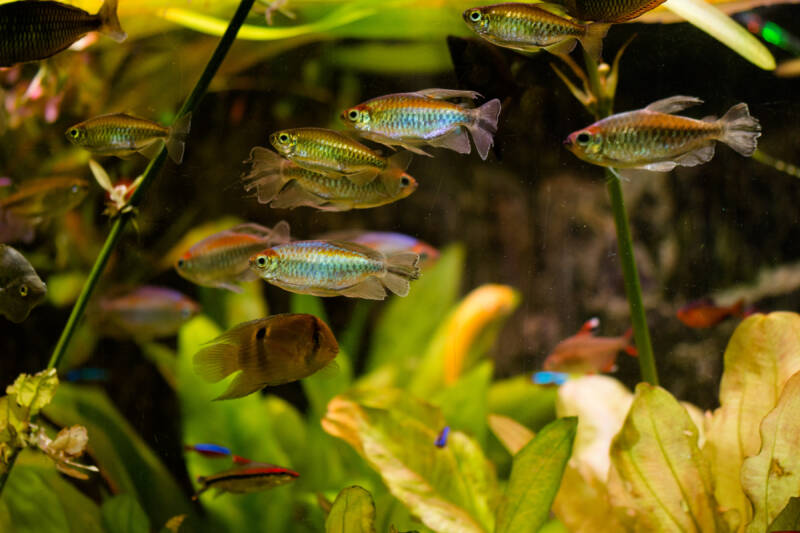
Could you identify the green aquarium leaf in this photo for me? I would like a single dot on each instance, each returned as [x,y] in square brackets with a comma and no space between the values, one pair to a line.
[789,517]
[511,434]
[771,478]
[531,405]
[34,392]
[535,478]
[659,478]
[125,460]
[464,403]
[39,500]
[763,353]
[413,58]
[352,512]
[123,514]
[723,28]
[406,325]
[450,489]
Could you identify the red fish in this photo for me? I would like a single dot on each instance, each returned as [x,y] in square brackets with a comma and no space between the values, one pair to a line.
[586,353]
[705,313]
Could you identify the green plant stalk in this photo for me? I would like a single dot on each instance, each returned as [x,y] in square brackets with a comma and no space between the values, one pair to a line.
[150,174]
[630,273]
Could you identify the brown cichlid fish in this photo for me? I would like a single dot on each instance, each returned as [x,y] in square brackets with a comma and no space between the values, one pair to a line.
[250,477]
[30,31]
[586,353]
[21,289]
[532,27]
[285,185]
[123,135]
[608,10]
[269,351]
[654,139]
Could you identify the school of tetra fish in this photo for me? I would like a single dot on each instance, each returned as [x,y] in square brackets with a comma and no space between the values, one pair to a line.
[329,170]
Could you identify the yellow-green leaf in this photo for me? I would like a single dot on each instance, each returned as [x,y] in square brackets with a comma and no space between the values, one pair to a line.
[123,514]
[659,477]
[723,28]
[511,434]
[763,353]
[34,392]
[772,477]
[535,477]
[352,512]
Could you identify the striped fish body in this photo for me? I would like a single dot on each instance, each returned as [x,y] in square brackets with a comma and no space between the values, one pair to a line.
[326,151]
[252,477]
[608,10]
[45,197]
[521,26]
[344,193]
[116,134]
[322,268]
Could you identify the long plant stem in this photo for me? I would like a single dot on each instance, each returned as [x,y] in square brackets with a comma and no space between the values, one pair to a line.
[630,273]
[150,174]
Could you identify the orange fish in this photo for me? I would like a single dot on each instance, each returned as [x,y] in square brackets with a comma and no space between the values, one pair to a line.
[705,313]
[146,313]
[585,353]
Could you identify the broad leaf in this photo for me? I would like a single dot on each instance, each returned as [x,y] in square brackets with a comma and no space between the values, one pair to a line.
[352,512]
[772,477]
[125,460]
[34,392]
[789,517]
[763,353]
[531,405]
[464,404]
[123,514]
[659,479]
[450,489]
[535,478]
[511,434]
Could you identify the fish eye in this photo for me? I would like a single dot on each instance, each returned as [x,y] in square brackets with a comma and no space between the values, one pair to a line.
[583,138]
[261,261]
[181,263]
[352,114]
[74,133]
[23,290]
[283,138]
[475,16]
[405,182]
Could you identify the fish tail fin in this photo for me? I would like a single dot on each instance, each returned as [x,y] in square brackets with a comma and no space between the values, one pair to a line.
[110,21]
[484,126]
[401,268]
[214,363]
[176,140]
[630,349]
[266,174]
[740,130]
[592,40]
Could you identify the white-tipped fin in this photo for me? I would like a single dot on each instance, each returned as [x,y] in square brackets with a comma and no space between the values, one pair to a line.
[673,104]
[369,289]
[110,21]
[447,94]
[592,41]
[740,130]
[661,166]
[484,126]
[456,140]
[176,141]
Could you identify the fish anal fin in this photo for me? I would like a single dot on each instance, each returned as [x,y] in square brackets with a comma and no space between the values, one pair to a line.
[363,177]
[242,385]
[230,286]
[151,149]
[661,166]
[697,157]
[562,48]
[369,289]
[456,140]
[673,104]
[294,195]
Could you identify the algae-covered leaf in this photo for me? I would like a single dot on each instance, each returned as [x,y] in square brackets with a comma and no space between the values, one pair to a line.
[511,434]
[763,353]
[723,28]
[125,460]
[772,477]
[450,489]
[36,391]
[352,512]
[535,478]
[659,477]
[123,514]
[407,324]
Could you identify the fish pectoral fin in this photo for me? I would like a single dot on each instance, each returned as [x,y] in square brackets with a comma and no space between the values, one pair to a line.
[456,140]
[661,166]
[673,104]
[369,289]
[242,385]
[329,371]
[363,177]
[697,157]
[294,195]
[151,149]
[447,94]
[230,287]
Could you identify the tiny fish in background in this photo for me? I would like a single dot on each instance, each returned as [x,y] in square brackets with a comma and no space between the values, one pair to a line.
[44,198]
[30,31]
[608,10]
[546,377]
[330,152]
[269,351]
[387,242]
[77,375]
[586,353]
[223,259]
[285,185]
[441,439]
[122,135]
[426,117]
[705,313]
[654,139]
[533,27]
[336,268]
[216,451]
[145,313]
[253,477]
[21,289]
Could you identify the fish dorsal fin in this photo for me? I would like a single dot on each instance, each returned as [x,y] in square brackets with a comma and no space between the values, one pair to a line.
[589,327]
[359,249]
[553,9]
[281,233]
[447,94]
[673,104]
